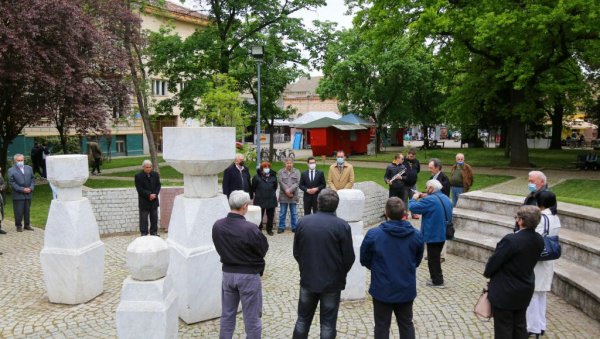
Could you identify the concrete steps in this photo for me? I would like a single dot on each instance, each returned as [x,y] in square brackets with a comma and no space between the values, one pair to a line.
[481,219]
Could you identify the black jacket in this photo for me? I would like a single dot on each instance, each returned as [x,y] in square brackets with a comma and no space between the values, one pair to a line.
[414,165]
[445,181]
[531,198]
[510,269]
[324,252]
[240,244]
[405,181]
[264,189]
[318,182]
[146,185]
[234,180]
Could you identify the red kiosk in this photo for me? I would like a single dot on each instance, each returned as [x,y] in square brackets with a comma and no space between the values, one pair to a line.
[327,135]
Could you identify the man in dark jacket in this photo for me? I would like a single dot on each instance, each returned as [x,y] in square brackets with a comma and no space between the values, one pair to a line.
[512,280]
[435,167]
[392,252]
[242,248]
[37,155]
[236,177]
[312,181]
[536,183]
[147,184]
[20,178]
[396,176]
[324,252]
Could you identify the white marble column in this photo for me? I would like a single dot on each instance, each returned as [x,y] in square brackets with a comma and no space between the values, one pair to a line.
[352,204]
[195,268]
[148,307]
[73,255]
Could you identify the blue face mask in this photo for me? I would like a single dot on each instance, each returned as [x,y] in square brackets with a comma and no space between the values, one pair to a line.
[340,161]
[532,187]
[459,163]
[266,170]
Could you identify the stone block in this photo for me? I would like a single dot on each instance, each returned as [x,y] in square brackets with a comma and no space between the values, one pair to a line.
[351,206]
[148,258]
[148,309]
[254,216]
[67,173]
[70,225]
[356,280]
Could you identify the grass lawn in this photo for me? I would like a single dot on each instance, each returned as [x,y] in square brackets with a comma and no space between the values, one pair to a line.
[487,157]
[40,204]
[126,162]
[579,191]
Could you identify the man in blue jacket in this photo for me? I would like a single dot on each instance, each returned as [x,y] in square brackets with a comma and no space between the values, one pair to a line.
[20,177]
[436,209]
[392,252]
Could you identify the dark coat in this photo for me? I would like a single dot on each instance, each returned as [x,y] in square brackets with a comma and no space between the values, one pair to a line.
[445,181]
[318,182]
[240,244]
[146,185]
[405,182]
[234,180]
[392,252]
[510,269]
[264,189]
[414,165]
[324,252]
[18,181]
[531,198]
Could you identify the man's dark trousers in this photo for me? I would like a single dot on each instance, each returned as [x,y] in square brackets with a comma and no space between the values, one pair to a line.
[434,250]
[307,304]
[383,318]
[21,209]
[510,323]
[310,203]
[153,213]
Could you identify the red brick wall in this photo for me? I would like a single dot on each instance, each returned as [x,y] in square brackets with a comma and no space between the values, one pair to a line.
[167,197]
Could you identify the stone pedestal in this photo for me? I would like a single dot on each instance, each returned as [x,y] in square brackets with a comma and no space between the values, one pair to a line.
[195,268]
[148,307]
[253,215]
[73,255]
[352,203]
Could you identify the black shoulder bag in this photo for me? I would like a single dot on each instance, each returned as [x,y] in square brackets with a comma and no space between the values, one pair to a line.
[449,224]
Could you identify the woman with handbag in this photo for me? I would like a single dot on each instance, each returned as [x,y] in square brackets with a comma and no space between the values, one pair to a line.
[544,270]
[264,186]
[510,270]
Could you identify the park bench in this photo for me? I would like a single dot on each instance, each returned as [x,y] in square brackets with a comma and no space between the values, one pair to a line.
[582,164]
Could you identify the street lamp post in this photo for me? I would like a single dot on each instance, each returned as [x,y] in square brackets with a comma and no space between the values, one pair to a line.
[258,54]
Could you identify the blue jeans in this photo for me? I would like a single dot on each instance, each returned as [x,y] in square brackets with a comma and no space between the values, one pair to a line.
[456,192]
[246,288]
[283,207]
[307,304]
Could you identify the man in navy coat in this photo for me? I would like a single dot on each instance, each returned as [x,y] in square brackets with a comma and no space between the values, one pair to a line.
[20,177]
[147,184]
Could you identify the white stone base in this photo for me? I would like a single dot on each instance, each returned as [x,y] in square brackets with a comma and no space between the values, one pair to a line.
[356,283]
[148,309]
[73,276]
[197,277]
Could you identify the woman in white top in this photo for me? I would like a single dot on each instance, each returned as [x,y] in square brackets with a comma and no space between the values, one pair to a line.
[544,270]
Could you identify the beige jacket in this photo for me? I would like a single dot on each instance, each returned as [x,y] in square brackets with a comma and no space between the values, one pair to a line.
[337,180]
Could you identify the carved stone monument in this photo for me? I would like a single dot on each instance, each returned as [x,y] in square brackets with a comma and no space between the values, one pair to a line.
[148,307]
[352,204]
[195,268]
[253,215]
[73,255]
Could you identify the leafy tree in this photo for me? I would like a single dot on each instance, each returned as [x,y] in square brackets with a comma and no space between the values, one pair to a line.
[221,105]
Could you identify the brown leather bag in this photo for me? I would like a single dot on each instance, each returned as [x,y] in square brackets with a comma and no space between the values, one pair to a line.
[483,308]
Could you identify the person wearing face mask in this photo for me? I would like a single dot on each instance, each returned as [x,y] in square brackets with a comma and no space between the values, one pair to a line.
[461,178]
[236,177]
[264,186]
[341,174]
[536,184]
[242,249]
[21,180]
[312,182]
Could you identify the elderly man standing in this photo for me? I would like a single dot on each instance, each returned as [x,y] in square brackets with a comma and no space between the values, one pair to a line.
[461,178]
[242,248]
[21,180]
[436,209]
[147,184]
[435,167]
[536,184]
[324,252]
[236,177]
[341,174]
[289,180]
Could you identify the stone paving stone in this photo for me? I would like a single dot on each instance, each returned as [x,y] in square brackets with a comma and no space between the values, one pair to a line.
[438,313]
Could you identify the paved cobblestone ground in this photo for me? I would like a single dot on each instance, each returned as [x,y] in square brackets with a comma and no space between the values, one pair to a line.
[26,313]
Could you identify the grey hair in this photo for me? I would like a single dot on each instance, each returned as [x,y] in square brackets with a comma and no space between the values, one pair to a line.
[237,199]
[437,163]
[287,159]
[435,184]
[328,200]
[238,155]
[530,215]
[146,162]
[18,155]
[539,174]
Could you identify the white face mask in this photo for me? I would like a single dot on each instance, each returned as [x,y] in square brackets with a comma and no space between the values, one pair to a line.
[312,166]
[20,164]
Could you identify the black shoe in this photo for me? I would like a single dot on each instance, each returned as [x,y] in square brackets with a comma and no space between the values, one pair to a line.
[155,234]
[270,232]
[2,231]
[19,229]
[279,231]
[29,228]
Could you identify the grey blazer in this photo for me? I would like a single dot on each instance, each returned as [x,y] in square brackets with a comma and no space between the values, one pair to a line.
[18,181]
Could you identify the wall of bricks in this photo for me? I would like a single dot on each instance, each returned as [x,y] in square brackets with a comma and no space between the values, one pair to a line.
[116,209]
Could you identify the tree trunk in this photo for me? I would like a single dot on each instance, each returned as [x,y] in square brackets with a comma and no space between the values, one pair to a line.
[557,118]
[519,153]
[3,155]
[378,137]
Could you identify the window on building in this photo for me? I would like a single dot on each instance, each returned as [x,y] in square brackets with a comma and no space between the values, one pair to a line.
[120,144]
[159,87]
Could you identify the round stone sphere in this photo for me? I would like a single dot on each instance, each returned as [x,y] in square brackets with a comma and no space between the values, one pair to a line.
[148,258]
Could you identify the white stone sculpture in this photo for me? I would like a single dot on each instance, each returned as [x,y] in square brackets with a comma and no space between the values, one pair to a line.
[148,307]
[350,208]
[253,215]
[200,154]
[73,255]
